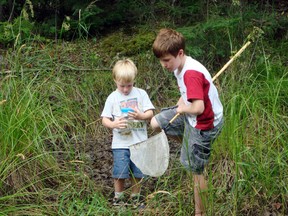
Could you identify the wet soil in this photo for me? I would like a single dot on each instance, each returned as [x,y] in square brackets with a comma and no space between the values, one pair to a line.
[99,157]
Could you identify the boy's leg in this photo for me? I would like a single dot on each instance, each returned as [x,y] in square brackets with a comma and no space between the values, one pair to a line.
[156,127]
[120,173]
[136,199]
[195,154]
[154,124]
[136,177]
[200,188]
[136,186]
[161,120]
[118,199]
[119,185]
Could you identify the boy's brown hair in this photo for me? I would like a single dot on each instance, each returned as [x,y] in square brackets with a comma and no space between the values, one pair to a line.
[168,41]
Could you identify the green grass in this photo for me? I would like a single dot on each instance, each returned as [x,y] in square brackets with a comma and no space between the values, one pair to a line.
[54,95]
[35,135]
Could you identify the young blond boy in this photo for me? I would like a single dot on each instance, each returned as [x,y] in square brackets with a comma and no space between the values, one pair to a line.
[126,130]
[201,111]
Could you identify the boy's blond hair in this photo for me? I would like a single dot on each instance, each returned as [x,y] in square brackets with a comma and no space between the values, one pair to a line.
[124,71]
[168,41]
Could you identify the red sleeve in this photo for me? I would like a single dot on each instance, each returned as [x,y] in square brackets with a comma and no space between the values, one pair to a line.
[194,81]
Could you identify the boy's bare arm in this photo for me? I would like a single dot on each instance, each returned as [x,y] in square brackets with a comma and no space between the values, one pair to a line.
[195,108]
[138,115]
[180,101]
[117,123]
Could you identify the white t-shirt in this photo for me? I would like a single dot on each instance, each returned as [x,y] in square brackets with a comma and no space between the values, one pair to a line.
[112,109]
[194,82]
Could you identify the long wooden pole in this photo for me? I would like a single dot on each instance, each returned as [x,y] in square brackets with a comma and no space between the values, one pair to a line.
[231,60]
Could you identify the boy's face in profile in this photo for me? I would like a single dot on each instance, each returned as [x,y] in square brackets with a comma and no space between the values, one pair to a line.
[170,62]
[124,88]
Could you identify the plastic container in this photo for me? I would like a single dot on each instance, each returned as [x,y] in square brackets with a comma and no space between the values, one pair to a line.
[124,113]
[125,110]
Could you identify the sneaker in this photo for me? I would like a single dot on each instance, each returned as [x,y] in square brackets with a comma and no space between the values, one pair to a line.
[137,202]
[118,202]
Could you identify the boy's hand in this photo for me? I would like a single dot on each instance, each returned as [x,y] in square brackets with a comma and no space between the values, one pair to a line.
[181,108]
[137,114]
[120,123]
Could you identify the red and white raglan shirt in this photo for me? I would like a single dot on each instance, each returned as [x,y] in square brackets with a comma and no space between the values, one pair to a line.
[195,83]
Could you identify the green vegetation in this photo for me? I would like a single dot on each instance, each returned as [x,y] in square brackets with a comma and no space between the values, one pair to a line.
[53,91]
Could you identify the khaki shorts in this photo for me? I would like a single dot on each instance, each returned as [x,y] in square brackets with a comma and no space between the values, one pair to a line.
[196,144]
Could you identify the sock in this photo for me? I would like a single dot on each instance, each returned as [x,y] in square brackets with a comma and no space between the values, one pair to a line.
[135,195]
[118,195]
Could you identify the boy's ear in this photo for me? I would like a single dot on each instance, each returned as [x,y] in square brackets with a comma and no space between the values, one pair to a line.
[181,52]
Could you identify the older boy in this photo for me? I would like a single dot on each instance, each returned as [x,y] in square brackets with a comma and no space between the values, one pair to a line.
[199,104]
[126,96]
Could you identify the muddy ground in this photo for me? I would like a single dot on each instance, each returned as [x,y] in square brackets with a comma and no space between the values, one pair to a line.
[99,157]
[98,166]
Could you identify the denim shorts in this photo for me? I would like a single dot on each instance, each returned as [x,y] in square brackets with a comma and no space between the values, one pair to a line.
[123,167]
[196,143]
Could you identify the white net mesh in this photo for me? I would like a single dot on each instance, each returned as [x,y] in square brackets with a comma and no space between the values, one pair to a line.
[152,155]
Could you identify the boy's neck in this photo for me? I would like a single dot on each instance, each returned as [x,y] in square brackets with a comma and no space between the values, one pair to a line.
[183,60]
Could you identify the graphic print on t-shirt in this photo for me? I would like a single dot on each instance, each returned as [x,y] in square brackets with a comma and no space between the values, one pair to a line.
[130,103]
